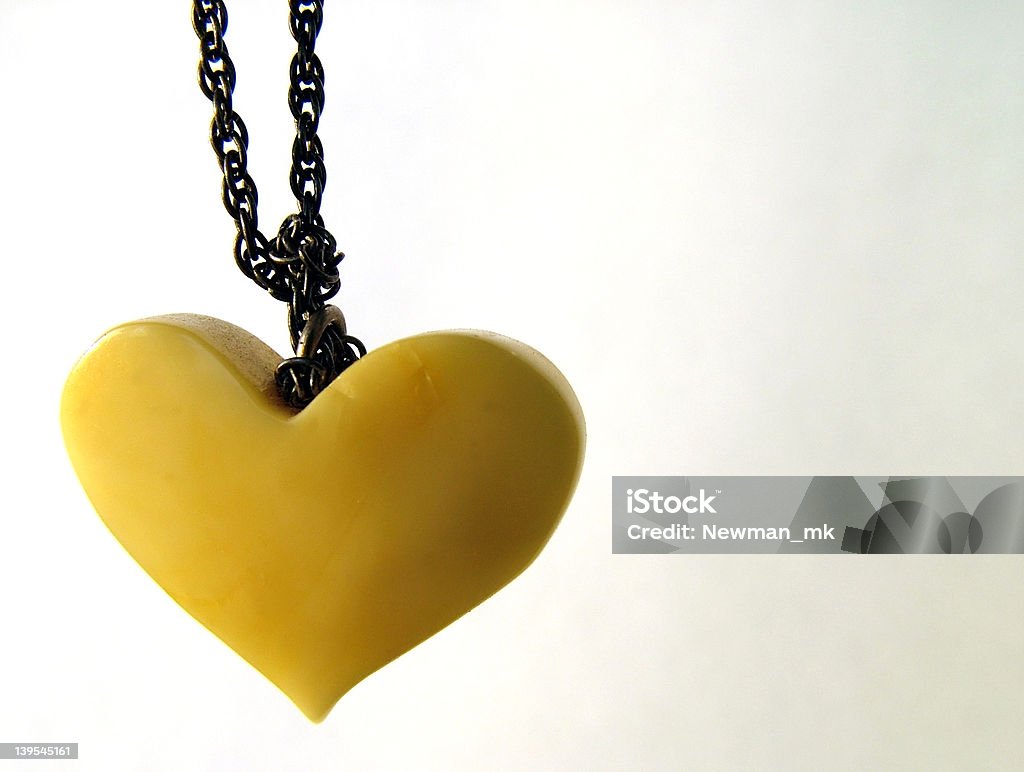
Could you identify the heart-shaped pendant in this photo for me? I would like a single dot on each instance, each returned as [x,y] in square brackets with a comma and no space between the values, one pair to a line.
[322,544]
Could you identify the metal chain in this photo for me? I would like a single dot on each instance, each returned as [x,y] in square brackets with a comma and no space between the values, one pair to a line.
[300,265]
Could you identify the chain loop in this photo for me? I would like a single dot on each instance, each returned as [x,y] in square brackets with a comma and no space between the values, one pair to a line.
[300,265]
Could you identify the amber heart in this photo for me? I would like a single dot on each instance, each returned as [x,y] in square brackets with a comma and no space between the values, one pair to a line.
[322,544]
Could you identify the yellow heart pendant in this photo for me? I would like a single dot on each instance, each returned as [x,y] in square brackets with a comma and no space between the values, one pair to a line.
[322,544]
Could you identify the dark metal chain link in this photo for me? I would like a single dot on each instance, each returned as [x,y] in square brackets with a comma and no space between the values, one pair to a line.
[300,265]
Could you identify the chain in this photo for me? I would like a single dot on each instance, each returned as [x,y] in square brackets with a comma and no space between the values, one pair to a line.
[300,265]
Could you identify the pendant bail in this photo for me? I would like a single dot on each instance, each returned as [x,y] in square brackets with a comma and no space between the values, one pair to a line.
[324,350]
[316,325]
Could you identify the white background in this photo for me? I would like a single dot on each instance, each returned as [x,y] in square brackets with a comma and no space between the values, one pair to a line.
[758,238]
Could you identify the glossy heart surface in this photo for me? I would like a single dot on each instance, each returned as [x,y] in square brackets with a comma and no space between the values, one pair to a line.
[322,544]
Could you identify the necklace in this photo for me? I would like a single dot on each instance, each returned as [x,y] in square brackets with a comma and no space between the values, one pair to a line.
[300,266]
[322,513]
